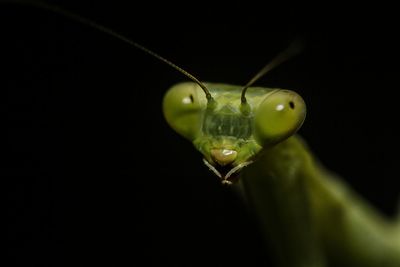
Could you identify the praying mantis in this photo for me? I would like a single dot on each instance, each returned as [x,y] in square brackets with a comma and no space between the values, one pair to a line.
[312,254]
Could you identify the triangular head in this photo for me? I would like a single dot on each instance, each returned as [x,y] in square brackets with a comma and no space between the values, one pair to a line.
[227,132]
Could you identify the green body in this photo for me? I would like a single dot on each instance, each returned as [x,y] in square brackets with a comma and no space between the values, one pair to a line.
[309,216]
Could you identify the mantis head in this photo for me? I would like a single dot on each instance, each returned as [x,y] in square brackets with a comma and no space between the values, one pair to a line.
[229,133]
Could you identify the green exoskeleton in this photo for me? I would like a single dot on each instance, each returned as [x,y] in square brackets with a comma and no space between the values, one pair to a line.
[247,136]
[310,217]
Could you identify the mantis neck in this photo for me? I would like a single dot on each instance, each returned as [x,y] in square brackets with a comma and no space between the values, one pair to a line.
[277,191]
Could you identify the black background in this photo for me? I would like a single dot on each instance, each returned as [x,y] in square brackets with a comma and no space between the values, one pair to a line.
[93,173]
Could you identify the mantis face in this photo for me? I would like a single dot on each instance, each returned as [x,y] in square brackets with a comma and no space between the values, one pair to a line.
[227,133]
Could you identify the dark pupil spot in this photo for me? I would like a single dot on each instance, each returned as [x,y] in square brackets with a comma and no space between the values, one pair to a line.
[291,104]
[191,98]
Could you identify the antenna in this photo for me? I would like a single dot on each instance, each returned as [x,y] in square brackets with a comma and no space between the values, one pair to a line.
[294,48]
[108,31]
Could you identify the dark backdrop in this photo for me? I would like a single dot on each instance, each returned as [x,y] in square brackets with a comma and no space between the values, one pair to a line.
[93,173]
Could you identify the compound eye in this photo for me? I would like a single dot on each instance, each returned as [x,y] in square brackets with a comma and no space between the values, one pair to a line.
[183,107]
[279,116]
